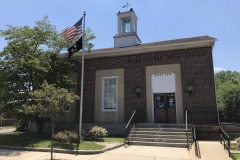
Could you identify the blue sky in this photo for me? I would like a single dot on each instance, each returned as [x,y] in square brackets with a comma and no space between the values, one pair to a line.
[159,20]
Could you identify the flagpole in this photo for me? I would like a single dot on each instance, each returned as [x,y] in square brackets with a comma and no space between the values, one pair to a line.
[82,79]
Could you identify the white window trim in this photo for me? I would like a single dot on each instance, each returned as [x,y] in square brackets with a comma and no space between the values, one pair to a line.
[123,30]
[106,110]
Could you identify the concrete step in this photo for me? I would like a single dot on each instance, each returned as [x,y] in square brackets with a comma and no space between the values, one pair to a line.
[167,135]
[162,129]
[162,144]
[166,140]
[161,136]
[161,125]
[159,133]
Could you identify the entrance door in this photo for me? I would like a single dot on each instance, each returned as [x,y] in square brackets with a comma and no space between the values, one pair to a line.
[164,108]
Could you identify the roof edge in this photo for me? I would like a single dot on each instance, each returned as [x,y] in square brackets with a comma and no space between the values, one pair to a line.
[151,47]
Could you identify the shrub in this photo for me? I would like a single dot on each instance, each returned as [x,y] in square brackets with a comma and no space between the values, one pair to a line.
[21,125]
[72,136]
[66,137]
[94,133]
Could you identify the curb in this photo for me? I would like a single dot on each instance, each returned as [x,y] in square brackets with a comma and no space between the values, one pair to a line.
[235,151]
[67,151]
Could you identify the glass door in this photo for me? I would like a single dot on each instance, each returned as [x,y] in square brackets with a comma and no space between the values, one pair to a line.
[164,108]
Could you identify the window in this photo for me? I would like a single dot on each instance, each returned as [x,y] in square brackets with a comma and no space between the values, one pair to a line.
[109,94]
[126,25]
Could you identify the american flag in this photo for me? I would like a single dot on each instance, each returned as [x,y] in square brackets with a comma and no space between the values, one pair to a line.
[75,30]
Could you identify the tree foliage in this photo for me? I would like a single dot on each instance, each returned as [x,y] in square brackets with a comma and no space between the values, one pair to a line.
[88,37]
[228,94]
[49,101]
[31,56]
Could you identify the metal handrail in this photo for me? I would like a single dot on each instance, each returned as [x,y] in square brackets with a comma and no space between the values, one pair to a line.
[197,148]
[126,129]
[225,138]
[187,130]
[130,120]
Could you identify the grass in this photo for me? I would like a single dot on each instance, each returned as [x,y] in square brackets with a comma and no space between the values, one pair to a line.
[236,156]
[234,146]
[44,141]
[114,139]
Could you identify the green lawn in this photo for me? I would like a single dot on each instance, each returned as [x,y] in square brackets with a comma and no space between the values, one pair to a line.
[44,141]
[236,156]
[234,146]
[114,139]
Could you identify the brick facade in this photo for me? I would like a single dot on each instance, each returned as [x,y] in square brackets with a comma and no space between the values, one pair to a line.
[196,69]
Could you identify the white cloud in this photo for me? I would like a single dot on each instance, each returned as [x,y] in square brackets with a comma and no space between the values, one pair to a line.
[218,69]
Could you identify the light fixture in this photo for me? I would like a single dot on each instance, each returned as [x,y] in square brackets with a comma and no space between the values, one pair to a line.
[138,91]
[190,89]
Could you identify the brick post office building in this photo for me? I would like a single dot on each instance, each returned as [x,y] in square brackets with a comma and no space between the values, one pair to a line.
[161,80]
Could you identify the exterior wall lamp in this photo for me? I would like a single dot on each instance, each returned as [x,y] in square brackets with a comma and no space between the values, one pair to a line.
[190,89]
[138,91]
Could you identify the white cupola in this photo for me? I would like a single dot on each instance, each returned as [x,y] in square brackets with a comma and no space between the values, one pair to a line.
[127,30]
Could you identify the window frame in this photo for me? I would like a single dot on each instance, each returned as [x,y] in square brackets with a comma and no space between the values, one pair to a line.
[124,23]
[103,89]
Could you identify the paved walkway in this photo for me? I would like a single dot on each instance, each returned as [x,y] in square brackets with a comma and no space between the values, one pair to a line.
[213,150]
[210,150]
[122,153]
[6,130]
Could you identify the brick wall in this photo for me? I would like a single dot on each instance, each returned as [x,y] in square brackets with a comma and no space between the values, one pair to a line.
[196,68]
[211,132]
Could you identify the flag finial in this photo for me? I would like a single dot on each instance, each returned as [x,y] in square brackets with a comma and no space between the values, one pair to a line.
[126,5]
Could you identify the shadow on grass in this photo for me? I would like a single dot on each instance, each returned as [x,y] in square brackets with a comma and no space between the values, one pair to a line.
[24,139]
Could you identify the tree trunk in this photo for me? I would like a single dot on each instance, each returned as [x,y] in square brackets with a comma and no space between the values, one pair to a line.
[39,124]
[52,140]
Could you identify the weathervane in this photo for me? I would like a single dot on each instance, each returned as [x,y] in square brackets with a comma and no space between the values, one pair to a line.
[127,4]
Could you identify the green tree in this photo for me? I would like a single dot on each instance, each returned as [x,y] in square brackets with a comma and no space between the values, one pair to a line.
[228,95]
[49,102]
[88,37]
[231,100]
[31,56]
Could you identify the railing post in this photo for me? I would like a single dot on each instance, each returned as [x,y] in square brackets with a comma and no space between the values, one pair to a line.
[229,148]
[186,118]
[187,129]
[219,130]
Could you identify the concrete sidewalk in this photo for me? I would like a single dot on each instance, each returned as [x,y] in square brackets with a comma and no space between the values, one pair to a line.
[213,150]
[122,153]
[209,151]
[7,129]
